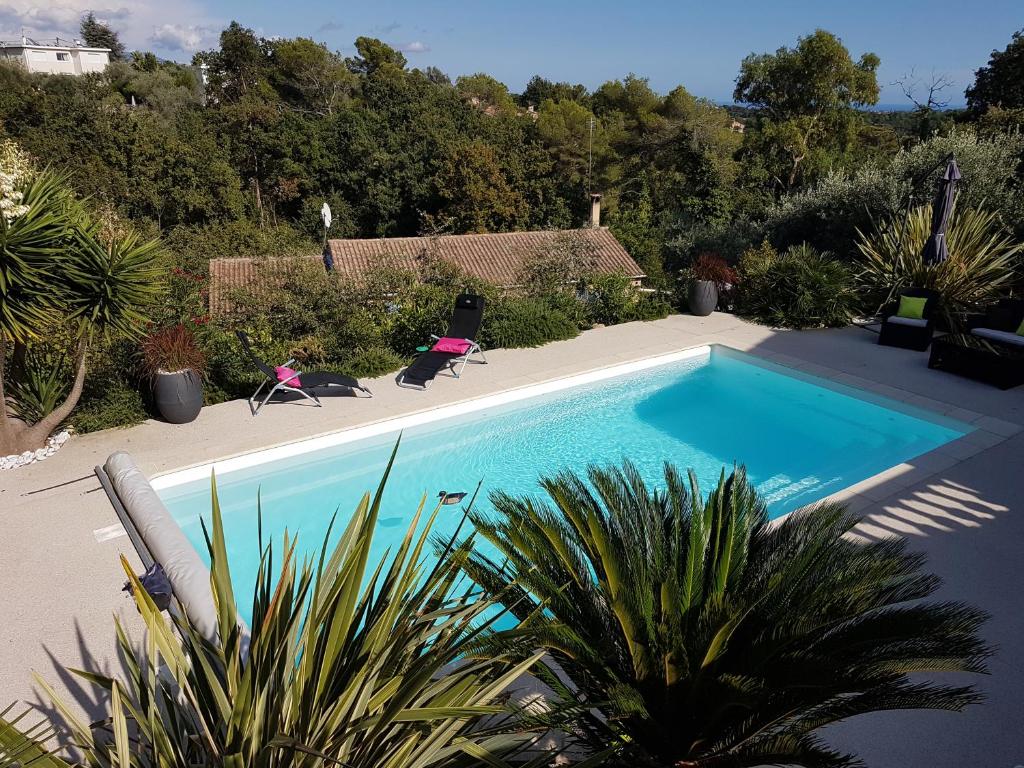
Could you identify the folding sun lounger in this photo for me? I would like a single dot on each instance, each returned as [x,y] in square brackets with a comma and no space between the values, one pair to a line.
[451,351]
[284,379]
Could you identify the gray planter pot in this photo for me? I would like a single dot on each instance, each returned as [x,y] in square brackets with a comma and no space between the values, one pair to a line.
[178,396]
[702,297]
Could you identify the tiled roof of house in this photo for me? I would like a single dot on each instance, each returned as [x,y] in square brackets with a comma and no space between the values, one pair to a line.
[497,258]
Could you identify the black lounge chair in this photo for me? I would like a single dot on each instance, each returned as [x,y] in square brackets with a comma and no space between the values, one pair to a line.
[452,351]
[906,332]
[283,379]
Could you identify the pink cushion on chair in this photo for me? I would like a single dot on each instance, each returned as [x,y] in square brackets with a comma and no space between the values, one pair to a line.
[287,376]
[452,346]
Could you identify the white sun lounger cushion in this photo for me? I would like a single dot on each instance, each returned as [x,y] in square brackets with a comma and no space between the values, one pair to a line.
[189,576]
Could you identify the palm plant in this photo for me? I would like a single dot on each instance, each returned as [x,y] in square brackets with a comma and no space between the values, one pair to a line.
[797,288]
[694,632]
[342,667]
[55,269]
[981,265]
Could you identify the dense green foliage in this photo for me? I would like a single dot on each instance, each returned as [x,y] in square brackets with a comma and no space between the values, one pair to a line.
[96,34]
[690,631]
[806,97]
[374,327]
[240,165]
[1000,83]
[829,213]
[795,288]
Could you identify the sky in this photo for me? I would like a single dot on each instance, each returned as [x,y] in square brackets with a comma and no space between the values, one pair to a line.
[698,44]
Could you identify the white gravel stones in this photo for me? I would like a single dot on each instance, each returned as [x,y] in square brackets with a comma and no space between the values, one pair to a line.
[53,444]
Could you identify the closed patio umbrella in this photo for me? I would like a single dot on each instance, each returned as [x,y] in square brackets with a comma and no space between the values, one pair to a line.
[935,249]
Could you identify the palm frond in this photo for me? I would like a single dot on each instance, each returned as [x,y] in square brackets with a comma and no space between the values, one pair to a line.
[690,630]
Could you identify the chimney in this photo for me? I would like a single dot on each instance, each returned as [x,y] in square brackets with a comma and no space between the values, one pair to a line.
[595,210]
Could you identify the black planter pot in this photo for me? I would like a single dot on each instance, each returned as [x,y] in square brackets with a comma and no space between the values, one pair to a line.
[178,396]
[702,297]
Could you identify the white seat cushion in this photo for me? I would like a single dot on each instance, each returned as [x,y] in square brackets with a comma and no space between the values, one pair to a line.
[914,321]
[1007,337]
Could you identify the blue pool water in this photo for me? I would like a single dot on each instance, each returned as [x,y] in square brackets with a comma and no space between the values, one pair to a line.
[800,442]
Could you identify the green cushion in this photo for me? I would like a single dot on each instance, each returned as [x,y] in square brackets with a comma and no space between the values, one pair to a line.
[1020,328]
[912,307]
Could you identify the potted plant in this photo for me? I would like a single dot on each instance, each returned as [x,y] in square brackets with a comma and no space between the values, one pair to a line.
[174,364]
[708,276]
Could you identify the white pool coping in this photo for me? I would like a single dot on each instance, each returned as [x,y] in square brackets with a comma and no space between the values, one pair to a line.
[398,423]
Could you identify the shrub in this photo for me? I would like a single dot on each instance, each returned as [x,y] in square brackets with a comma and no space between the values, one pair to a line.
[692,631]
[524,321]
[112,396]
[120,405]
[829,214]
[562,261]
[798,288]
[982,258]
[425,310]
[570,304]
[371,362]
[229,373]
[613,299]
[42,384]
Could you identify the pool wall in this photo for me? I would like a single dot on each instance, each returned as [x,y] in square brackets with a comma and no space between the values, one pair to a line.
[844,389]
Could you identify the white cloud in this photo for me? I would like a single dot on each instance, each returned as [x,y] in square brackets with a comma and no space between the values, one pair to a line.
[330,26]
[181,37]
[414,47]
[42,19]
[142,24]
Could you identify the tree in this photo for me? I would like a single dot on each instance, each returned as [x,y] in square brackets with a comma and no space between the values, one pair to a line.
[309,76]
[59,270]
[486,94]
[806,96]
[539,89]
[437,76]
[237,69]
[477,196]
[694,633]
[373,55]
[97,34]
[1001,82]
[564,127]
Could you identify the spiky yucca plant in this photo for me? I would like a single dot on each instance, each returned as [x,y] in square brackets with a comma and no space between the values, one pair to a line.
[981,265]
[693,632]
[348,664]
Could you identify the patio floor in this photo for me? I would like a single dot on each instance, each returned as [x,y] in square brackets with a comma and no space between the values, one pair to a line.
[61,579]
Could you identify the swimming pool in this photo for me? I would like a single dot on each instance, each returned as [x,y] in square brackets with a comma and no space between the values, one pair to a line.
[800,438]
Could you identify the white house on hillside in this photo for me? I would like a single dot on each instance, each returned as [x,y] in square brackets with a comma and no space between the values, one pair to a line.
[59,57]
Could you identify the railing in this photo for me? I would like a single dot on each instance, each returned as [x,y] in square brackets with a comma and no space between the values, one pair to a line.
[56,42]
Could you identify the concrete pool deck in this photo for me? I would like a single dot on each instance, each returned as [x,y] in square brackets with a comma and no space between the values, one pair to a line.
[60,575]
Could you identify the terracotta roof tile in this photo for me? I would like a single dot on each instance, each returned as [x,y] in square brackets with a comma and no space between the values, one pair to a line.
[497,258]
